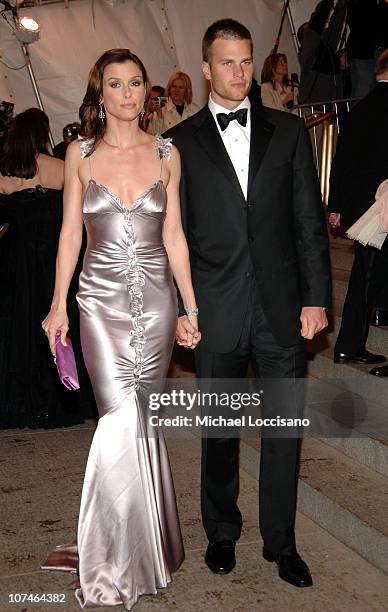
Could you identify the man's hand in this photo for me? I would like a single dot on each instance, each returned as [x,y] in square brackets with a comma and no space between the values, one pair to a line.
[313,319]
[187,333]
[335,220]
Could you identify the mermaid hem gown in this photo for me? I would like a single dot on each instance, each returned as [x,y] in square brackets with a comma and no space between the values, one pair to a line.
[129,538]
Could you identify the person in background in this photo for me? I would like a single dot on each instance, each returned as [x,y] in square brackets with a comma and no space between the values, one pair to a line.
[70,133]
[153,109]
[368,37]
[276,91]
[6,114]
[359,166]
[31,183]
[321,39]
[180,104]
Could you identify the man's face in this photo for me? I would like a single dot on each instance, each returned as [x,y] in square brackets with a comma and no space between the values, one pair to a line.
[153,102]
[229,71]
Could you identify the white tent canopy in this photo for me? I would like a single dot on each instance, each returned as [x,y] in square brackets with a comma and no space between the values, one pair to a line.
[165,34]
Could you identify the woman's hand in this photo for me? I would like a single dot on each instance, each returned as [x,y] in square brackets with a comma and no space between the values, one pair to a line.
[187,334]
[56,320]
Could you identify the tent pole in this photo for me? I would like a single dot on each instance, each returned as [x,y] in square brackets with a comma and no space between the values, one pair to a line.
[35,85]
[292,28]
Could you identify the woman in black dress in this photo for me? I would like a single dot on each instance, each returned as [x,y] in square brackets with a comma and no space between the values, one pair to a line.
[31,183]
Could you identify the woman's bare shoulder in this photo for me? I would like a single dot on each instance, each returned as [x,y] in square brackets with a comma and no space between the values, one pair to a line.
[9,184]
[49,161]
[51,171]
[76,149]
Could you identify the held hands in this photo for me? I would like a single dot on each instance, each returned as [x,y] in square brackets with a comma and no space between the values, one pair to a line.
[335,220]
[187,334]
[313,319]
[56,320]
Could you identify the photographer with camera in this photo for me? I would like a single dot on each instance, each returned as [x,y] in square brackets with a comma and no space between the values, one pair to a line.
[178,106]
[277,90]
[70,133]
[6,113]
[321,40]
[153,109]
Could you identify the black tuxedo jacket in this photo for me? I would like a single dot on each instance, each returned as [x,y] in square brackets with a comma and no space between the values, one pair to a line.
[361,160]
[278,234]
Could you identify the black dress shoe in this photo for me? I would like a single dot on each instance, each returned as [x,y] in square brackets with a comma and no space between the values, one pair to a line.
[381,371]
[220,557]
[364,358]
[380,317]
[292,568]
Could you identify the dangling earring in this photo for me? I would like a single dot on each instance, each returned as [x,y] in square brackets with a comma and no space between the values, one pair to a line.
[142,113]
[101,113]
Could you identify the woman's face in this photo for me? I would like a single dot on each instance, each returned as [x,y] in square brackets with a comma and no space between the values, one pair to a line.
[178,91]
[123,91]
[281,68]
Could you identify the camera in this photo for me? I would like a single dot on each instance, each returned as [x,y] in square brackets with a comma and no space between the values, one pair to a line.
[71,131]
[162,101]
[6,112]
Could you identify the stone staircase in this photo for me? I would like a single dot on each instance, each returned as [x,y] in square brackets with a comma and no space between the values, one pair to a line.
[344,480]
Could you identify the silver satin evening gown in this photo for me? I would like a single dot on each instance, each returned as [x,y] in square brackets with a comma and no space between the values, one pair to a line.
[129,538]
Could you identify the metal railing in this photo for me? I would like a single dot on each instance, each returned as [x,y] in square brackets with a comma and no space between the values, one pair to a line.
[324,120]
[3,229]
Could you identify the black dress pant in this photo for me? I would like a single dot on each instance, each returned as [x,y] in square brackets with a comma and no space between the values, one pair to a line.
[367,280]
[382,298]
[279,456]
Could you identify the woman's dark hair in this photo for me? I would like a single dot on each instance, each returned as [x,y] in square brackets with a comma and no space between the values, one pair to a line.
[269,67]
[91,125]
[28,135]
[228,29]
[159,89]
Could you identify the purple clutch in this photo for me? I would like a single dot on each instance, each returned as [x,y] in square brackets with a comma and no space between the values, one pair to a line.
[65,362]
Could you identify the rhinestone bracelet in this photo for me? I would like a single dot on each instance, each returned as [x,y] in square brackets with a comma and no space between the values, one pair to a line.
[191,311]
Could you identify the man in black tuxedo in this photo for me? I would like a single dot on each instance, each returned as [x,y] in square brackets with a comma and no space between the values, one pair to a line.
[359,166]
[255,227]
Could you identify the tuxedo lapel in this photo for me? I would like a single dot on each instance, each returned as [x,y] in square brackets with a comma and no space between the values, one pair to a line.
[261,134]
[207,135]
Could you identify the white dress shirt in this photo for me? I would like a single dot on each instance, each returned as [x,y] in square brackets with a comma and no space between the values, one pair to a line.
[236,139]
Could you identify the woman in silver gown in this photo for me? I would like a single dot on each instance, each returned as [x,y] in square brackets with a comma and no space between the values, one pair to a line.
[129,539]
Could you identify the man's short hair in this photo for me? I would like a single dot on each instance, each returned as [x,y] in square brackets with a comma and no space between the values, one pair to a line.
[228,29]
[382,63]
[159,89]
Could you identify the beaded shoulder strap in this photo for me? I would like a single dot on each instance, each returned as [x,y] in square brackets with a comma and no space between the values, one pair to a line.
[86,145]
[164,146]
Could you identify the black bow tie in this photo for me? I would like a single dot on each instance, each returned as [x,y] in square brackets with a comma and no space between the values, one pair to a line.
[224,119]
